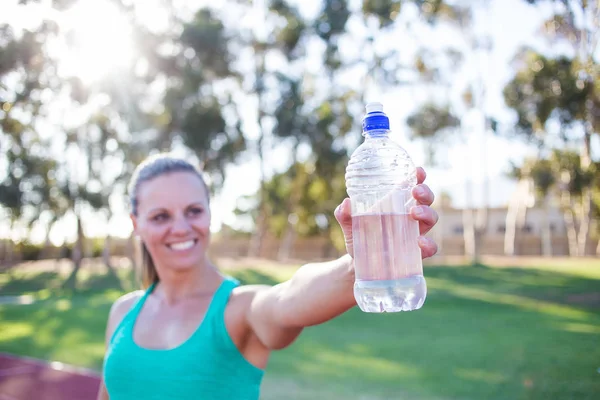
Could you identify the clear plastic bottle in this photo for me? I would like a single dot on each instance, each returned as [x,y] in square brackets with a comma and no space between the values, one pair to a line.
[379,179]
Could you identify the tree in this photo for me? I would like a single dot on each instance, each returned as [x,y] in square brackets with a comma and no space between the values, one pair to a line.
[550,89]
[25,181]
[320,110]
[570,96]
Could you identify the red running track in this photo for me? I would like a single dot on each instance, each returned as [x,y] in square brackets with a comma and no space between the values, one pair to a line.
[23,378]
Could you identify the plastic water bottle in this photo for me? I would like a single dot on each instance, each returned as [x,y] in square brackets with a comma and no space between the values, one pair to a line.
[387,258]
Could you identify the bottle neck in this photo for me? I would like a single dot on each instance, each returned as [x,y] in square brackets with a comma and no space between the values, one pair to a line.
[376,133]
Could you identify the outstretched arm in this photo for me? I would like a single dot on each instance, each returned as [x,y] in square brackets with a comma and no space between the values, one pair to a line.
[318,292]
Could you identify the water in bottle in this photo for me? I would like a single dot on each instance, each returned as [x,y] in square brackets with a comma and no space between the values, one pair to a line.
[387,259]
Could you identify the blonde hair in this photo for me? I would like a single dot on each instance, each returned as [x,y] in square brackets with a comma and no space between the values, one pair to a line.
[149,169]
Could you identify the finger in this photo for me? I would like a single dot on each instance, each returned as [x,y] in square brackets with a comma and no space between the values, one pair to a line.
[428,246]
[343,213]
[423,194]
[421,175]
[426,216]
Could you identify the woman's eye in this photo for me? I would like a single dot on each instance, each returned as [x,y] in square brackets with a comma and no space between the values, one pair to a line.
[160,217]
[196,211]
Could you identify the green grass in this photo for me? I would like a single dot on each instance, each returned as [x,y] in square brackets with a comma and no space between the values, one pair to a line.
[484,333]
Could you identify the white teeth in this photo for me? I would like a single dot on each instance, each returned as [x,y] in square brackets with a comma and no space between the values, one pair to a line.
[182,245]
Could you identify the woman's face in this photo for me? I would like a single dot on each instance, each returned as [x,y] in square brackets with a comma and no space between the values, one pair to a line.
[173,220]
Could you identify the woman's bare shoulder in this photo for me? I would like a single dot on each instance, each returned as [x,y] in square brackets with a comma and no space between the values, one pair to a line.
[122,305]
[244,293]
[241,298]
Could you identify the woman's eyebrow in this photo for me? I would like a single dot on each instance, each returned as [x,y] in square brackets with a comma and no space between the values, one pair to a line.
[153,210]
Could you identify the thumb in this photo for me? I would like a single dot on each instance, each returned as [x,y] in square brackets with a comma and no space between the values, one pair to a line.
[343,214]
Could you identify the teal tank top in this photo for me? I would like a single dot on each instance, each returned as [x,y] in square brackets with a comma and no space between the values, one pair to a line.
[207,366]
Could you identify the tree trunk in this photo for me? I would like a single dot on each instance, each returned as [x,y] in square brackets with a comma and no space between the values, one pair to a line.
[10,253]
[298,184]
[510,232]
[10,246]
[569,218]
[289,237]
[481,224]
[546,232]
[77,256]
[472,232]
[588,63]
[255,246]
[584,222]
[287,244]
[256,240]
[469,235]
[106,253]
[47,245]
[516,216]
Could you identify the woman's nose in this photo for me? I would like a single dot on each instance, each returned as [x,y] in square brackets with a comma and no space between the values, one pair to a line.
[180,226]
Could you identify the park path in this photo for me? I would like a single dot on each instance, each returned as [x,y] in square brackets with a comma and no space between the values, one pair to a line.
[23,378]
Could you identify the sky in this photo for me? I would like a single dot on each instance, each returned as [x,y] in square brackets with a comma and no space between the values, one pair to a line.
[511,24]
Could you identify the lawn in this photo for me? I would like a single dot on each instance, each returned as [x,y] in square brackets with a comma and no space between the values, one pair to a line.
[484,333]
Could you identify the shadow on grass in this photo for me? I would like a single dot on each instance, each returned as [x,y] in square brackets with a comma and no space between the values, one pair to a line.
[19,283]
[100,282]
[532,283]
[52,283]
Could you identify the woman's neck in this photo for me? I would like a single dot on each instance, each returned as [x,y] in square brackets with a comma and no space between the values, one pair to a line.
[175,286]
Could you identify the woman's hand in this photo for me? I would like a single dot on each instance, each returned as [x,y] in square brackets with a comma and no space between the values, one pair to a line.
[422,212]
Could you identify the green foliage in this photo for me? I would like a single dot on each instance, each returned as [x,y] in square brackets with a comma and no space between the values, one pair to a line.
[434,125]
[386,11]
[289,34]
[431,120]
[544,88]
[333,18]
[206,36]
[570,173]
[543,175]
[193,108]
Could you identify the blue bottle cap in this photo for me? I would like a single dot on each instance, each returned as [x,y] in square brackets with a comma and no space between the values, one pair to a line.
[375,120]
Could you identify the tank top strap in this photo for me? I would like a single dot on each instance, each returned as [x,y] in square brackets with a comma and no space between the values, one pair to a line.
[135,310]
[221,296]
[216,313]
[125,327]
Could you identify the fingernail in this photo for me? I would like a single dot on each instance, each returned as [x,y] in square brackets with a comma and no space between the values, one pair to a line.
[419,212]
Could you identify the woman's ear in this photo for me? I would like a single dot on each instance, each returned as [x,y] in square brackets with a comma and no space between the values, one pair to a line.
[133,222]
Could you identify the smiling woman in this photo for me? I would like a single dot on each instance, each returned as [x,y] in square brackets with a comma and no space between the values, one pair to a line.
[97,41]
[194,331]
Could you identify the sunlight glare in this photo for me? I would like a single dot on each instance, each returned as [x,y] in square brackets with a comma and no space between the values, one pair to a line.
[98,39]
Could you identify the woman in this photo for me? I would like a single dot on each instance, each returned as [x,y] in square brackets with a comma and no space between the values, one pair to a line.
[195,333]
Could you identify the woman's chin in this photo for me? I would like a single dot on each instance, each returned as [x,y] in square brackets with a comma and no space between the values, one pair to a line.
[184,263]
